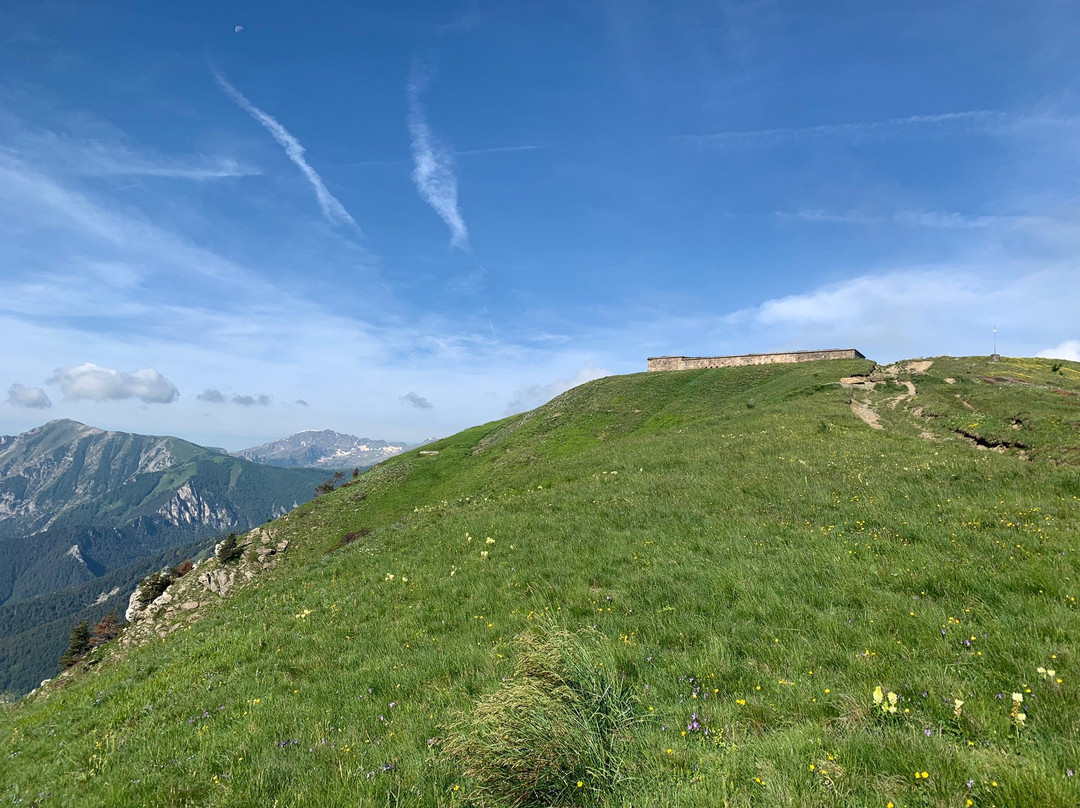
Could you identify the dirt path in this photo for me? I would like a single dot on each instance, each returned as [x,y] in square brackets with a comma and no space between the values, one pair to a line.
[865,413]
[910,394]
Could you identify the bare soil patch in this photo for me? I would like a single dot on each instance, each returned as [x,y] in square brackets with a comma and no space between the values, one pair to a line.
[865,413]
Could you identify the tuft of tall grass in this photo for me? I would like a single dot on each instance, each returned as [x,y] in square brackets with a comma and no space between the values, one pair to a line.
[552,734]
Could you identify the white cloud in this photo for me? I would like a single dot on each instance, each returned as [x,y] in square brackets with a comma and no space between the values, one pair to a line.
[332,209]
[859,299]
[96,383]
[433,171]
[533,395]
[31,397]
[211,396]
[417,401]
[1069,350]
[917,311]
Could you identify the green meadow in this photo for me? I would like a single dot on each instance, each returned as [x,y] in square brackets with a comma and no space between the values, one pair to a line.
[795,609]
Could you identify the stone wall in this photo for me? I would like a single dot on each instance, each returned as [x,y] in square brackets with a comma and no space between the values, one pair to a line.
[695,362]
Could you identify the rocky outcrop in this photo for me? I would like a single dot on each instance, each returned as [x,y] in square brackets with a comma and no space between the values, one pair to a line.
[104,596]
[209,581]
[188,507]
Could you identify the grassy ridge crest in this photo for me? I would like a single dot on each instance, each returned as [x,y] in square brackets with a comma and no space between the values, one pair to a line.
[758,558]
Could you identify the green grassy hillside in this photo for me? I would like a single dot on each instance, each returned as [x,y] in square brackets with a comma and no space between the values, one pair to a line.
[758,559]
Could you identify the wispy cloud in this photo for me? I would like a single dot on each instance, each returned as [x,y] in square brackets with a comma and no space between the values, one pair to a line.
[857,130]
[467,19]
[910,218]
[125,287]
[80,144]
[332,209]
[494,150]
[35,201]
[101,159]
[111,156]
[534,395]
[1069,349]
[390,162]
[433,170]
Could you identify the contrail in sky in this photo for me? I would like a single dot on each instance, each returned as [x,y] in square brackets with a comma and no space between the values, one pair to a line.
[332,209]
[494,150]
[433,170]
[857,129]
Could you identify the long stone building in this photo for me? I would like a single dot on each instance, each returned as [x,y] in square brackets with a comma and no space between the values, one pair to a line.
[694,362]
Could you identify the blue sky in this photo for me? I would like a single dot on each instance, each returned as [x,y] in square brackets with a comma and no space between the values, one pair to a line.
[231,221]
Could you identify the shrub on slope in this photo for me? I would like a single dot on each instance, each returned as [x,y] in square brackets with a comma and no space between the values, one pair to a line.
[552,734]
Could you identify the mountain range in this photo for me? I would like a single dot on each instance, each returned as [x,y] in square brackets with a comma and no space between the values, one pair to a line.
[85,512]
[323,449]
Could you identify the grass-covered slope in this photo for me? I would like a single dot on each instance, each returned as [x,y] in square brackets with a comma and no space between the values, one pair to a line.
[758,557]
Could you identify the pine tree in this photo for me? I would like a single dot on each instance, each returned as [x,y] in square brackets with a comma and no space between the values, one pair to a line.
[152,586]
[229,550]
[78,646]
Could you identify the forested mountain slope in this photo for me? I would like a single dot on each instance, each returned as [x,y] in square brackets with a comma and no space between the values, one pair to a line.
[78,503]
